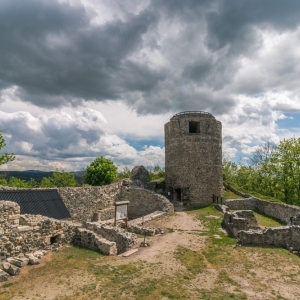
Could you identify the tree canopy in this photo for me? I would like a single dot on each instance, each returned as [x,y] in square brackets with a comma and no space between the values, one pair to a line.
[100,172]
[6,157]
[274,171]
[125,173]
[59,179]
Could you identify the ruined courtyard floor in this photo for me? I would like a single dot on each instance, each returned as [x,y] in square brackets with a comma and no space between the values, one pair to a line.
[193,259]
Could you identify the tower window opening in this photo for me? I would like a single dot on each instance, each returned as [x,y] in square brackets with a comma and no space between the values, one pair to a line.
[194,127]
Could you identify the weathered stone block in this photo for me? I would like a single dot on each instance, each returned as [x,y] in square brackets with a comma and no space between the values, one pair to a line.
[3,276]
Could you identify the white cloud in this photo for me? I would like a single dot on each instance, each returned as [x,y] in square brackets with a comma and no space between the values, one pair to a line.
[69,141]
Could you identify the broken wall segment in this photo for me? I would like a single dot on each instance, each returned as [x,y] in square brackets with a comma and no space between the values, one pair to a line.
[124,240]
[22,234]
[284,236]
[143,202]
[239,220]
[83,202]
[104,214]
[89,239]
[28,233]
[280,211]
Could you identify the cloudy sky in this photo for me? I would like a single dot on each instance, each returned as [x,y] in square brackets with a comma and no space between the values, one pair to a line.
[85,78]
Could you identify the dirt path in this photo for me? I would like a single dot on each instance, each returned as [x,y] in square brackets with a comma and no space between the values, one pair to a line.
[179,231]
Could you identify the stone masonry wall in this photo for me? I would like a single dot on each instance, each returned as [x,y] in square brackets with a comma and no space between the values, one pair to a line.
[239,220]
[23,234]
[28,233]
[91,240]
[83,202]
[104,214]
[193,161]
[124,240]
[285,236]
[280,211]
[143,202]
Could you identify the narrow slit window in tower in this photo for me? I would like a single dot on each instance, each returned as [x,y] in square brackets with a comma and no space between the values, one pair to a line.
[194,127]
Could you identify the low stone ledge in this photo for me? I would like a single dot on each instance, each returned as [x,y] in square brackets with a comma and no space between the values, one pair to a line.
[156,215]
[124,240]
[283,236]
[142,230]
[89,239]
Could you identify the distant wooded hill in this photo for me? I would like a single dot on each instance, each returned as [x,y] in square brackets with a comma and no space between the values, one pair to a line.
[36,175]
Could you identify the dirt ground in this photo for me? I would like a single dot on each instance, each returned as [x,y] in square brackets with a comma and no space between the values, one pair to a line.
[254,273]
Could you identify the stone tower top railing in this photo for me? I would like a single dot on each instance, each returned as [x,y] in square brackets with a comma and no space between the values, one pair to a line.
[192,113]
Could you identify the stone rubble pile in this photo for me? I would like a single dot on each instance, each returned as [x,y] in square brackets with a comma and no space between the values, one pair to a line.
[11,266]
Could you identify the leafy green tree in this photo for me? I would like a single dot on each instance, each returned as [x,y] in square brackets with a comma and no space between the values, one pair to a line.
[274,171]
[287,167]
[62,178]
[19,183]
[125,173]
[157,172]
[229,171]
[47,182]
[6,157]
[59,179]
[100,172]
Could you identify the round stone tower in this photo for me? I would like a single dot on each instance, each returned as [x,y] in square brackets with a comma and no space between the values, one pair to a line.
[193,160]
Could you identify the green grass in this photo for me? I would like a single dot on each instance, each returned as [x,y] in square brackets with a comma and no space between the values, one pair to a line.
[192,260]
[266,221]
[230,195]
[257,195]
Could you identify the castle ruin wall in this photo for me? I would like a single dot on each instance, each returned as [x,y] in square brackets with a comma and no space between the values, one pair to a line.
[83,202]
[143,202]
[280,211]
[23,234]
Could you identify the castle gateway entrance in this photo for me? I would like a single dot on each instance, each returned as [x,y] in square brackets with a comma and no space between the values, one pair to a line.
[177,195]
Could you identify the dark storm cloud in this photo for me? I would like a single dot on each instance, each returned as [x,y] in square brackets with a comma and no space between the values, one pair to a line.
[173,55]
[55,56]
[234,23]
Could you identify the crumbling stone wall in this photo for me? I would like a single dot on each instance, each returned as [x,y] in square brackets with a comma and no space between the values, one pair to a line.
[239,220]
[124,240]
[104,214]
[280,211]
[193,158]
[143,202]
[83,202]
[285,236]
[24,233]
[91,240]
